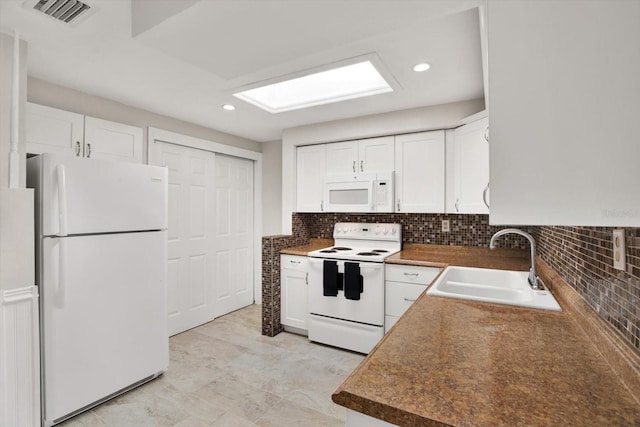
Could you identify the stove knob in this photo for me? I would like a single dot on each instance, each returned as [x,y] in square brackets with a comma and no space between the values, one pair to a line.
[386,230]
[393,231]
[377,230]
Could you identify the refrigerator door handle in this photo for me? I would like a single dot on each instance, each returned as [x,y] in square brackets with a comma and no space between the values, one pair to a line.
[61,288]
[62,201]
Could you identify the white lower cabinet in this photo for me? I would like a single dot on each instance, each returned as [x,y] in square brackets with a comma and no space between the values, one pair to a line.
[294,278]
[403,285]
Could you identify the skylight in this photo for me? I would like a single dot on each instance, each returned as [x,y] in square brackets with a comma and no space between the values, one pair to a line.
[325,87]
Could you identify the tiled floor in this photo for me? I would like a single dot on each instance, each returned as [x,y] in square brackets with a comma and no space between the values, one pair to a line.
[225,373]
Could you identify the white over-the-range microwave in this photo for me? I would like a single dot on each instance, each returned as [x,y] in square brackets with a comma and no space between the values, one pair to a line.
[359,192]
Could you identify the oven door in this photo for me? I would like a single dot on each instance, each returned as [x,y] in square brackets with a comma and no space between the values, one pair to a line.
[369,309]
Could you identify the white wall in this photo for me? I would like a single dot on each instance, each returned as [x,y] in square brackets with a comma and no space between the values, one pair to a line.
[271,188]
[443,116]
[49,94]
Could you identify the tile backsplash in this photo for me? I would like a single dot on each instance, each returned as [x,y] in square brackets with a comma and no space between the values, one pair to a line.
[466,230]
[582,256]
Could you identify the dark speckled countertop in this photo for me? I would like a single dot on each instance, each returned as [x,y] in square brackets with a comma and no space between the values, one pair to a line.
[313,245]
[451,362]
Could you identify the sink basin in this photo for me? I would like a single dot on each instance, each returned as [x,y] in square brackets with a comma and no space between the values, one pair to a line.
[496,286]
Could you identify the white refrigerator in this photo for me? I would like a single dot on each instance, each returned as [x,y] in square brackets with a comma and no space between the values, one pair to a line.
[101,267]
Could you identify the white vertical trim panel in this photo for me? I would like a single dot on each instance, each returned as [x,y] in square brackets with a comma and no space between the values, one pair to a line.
[19,358]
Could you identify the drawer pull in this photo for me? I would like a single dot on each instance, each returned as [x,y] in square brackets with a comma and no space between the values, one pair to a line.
[409,299]
[294,262]
[411,274]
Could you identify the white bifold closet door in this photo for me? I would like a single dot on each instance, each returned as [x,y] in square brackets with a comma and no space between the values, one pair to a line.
[210,248]
[233,234]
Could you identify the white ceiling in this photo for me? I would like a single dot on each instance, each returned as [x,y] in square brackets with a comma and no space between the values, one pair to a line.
[188,57]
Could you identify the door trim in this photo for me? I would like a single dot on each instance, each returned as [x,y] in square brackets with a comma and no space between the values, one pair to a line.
[155,134]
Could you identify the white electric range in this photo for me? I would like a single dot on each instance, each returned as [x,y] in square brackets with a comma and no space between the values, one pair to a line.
[346,285]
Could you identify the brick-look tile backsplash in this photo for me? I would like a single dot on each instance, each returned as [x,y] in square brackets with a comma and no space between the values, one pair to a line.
[271,247]
[466,230]
[583,257]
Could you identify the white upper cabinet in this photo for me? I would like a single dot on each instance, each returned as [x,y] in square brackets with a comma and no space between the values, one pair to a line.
[311,167]
[50,130]
[342,157]
[110,140]
[470,165]
[376,154]
[366,155]
[564,106]
[419,172]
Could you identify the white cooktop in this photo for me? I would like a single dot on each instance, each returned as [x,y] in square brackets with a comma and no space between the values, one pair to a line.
[362,242]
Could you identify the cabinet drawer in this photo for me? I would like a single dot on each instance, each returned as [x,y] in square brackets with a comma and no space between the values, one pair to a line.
[411,274]
[293,262]
[399,296]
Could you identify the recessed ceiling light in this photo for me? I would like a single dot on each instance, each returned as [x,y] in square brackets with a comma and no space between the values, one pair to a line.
[423,66]
[324,87]
[229,107]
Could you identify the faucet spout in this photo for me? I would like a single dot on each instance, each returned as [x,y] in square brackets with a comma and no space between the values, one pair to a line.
[533,277]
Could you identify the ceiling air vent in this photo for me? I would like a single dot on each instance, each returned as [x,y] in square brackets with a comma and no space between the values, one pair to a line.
[67,11]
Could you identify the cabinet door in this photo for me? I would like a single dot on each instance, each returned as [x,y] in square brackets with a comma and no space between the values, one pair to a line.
[471,167]
[110,140]
[50,130]
[564,136]
[310,164]
[293,290]
[342,157]
[376,154]
[419,172]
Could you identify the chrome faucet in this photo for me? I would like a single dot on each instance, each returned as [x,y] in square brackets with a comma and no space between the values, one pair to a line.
[533,277]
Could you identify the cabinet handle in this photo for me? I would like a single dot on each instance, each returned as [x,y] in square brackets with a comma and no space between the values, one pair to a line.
[409,299]
[88,150]
[294,262]
[484,195]
[77,148]
[411,274]
[353,166]
[361,167]
[322,206]
[457,200]
[306,278]
[486,134]
[398,205]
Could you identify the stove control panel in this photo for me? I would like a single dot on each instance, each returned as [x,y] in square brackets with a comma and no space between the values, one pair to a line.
[367,231]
